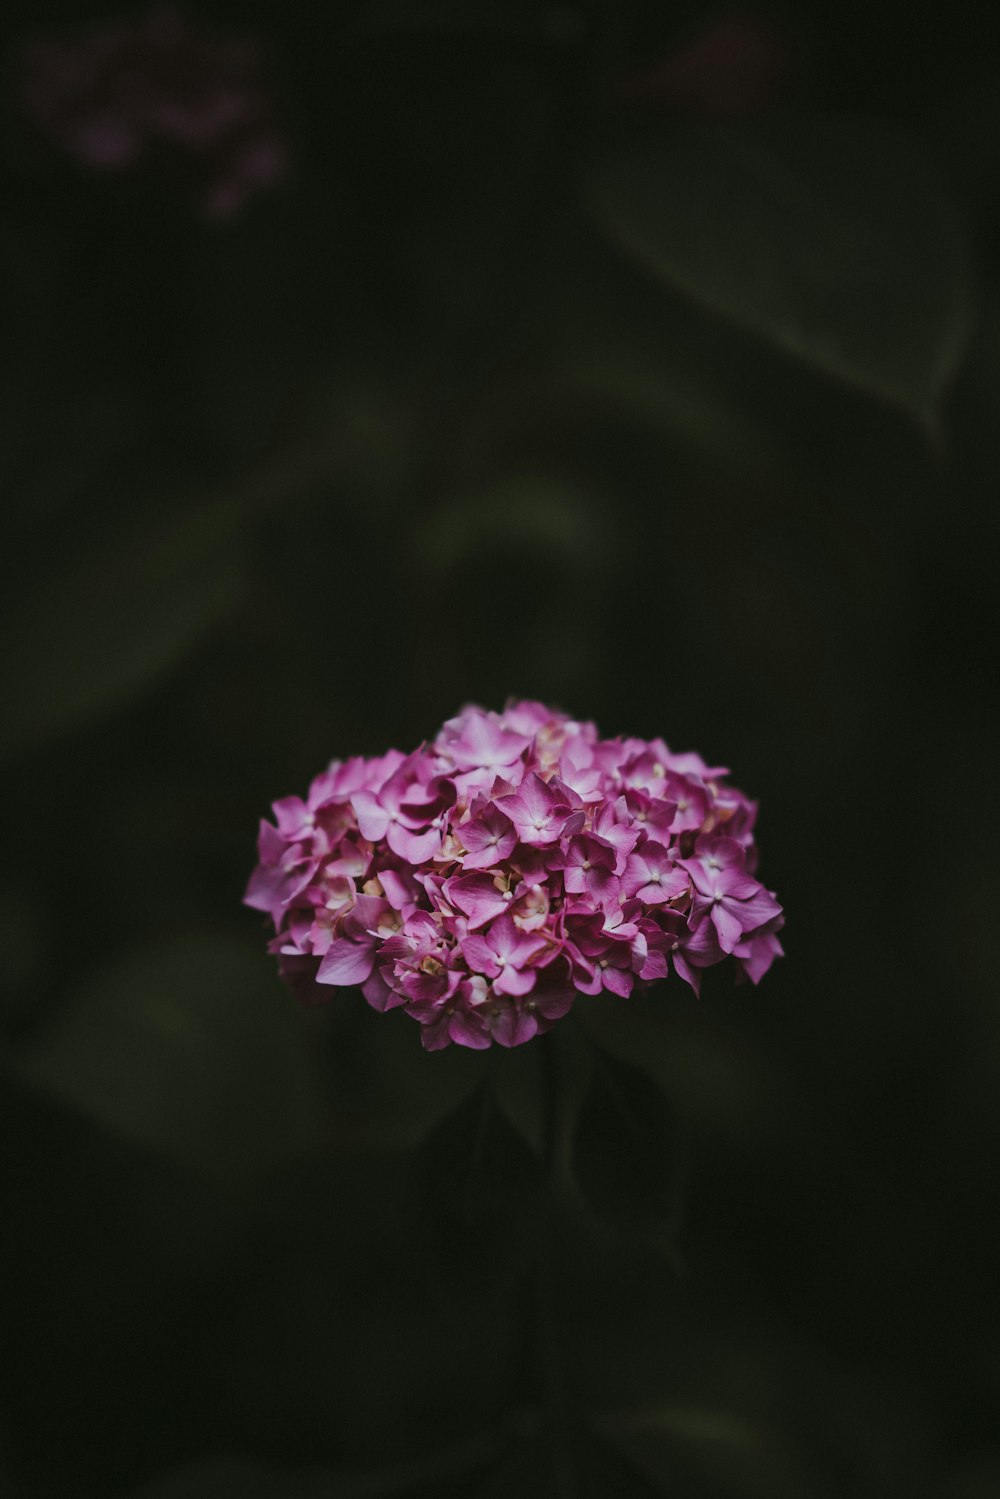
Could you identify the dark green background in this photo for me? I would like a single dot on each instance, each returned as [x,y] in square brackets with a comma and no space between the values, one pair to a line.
[514,386]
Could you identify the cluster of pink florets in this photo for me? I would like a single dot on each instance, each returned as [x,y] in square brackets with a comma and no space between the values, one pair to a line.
[484,881]
[114,92]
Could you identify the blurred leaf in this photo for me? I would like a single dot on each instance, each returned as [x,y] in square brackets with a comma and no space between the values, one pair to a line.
[112,618]
[835,241]
[528,555]
[480,1179]
[694,1451]
[57,457]
[625,1148]
[25,938]
[964,125]
[239,1478]
[674,403]
[611,348]
[719,1076]
[977,1478]
[580,1465]
[522,513]
[190,1048]
[975,426]
[440,1472]
[693,1424]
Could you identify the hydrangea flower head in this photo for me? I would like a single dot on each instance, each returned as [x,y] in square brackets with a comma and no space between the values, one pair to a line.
[114,93]
[487,880]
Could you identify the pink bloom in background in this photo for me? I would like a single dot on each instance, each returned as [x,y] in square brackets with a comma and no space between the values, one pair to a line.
[734,67]
[487,880]
[112,94]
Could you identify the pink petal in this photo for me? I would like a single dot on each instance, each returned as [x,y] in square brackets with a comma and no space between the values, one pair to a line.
[727,925]
[346,962]
[761,907]
[378,994]
[619,981]
[415,848]
[512,980]
[469,1030]
[476,896]
[373,819]
[480,956]
[512,1026]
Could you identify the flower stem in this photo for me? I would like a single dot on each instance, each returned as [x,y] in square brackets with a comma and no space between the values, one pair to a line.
[555,1391]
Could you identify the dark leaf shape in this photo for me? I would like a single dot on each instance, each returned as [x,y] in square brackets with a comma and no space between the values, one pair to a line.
[241,1478]
[834,240]
[519,514]
[625,1148]
[703,1453]
[575,1465]
[480,1180]
[188,1048]
[113,619]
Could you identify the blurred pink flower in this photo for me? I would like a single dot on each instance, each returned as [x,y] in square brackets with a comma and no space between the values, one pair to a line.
[113,94]
[734,67]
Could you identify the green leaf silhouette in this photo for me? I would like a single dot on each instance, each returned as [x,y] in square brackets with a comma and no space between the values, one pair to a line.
[480,1180]
[113,619]
[189,1048]
[834,240]
[625,1148]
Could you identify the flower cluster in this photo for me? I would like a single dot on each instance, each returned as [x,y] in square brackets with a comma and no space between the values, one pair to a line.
[110,95]
[484,881]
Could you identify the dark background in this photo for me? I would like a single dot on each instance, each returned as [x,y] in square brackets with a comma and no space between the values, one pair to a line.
[539,373]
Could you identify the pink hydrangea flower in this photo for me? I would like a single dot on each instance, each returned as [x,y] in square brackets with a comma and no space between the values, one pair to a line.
[486,881]
[116,92]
